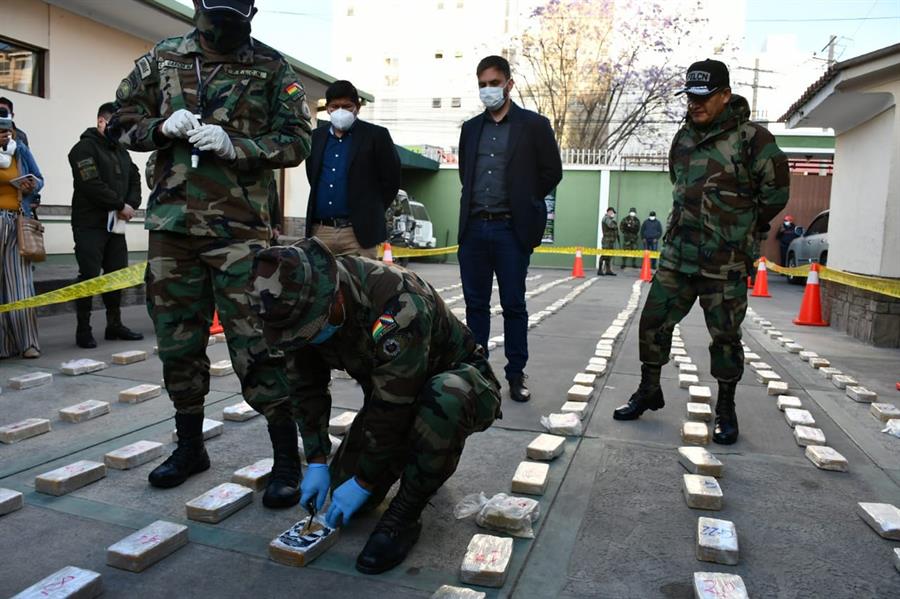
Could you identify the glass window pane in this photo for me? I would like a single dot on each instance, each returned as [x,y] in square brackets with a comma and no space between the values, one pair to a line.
[20,68]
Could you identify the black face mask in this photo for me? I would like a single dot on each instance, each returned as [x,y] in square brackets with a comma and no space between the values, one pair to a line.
[223,33]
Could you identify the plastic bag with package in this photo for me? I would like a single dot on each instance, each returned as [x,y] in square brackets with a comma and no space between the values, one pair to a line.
[893,427]
[502,512]
[568,424]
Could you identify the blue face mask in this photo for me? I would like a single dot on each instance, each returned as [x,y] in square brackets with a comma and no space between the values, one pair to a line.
[329,329]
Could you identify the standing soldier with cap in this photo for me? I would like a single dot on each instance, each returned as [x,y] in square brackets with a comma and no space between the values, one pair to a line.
[426,384]
[631,228]
[610,230]
[730,179]
[222,111]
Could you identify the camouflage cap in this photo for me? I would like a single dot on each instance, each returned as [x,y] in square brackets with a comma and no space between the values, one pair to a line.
[292,289]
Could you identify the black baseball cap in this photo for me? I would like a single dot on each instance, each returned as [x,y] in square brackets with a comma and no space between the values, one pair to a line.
[705,77]
[244,8]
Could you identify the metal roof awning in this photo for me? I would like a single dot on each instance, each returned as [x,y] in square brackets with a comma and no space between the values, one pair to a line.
[412,160]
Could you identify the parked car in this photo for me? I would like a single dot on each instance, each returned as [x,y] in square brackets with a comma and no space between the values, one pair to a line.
[409,225]
[424,232]
[811,245]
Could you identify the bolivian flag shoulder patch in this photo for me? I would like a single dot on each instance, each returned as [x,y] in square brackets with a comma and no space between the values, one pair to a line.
[383,325]
[293,91]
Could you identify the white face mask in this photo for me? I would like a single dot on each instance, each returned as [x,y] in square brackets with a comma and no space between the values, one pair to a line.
[632,214]
[492,97]
[6,156]
[342,119]
[652,218]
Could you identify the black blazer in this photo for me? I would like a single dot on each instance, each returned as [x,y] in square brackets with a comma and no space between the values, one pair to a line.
[372,179]
[533,169]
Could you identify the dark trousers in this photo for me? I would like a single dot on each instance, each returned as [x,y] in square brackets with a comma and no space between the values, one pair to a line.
[98,250]
[652,245]
[488,248]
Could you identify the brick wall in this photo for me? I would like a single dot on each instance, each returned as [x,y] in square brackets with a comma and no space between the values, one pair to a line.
[869,317]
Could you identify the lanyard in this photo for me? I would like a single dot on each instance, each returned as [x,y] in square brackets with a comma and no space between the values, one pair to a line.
[201,85]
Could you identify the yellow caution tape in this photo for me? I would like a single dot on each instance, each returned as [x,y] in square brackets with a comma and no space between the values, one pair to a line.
[889,287]
[570,250]
[121,279]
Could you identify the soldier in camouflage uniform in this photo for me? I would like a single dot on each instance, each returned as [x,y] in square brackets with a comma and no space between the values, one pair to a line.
[730,179]
[631,229]
[608,241]
[221,111]
[426,384]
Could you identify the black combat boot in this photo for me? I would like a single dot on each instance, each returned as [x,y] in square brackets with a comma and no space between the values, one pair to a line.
[84,337]
[647,397]
[189,456]
[283,489]
[395,534]
[726,431]
[115,330]
[518,391]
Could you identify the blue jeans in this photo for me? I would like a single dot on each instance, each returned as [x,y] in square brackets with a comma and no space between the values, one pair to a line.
[652,245]
[490,247]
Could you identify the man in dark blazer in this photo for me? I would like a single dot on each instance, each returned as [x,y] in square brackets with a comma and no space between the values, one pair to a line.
[354,175]
[508,163]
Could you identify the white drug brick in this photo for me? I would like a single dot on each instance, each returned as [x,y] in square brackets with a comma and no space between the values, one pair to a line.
[81,366]
[695,433]
[686,381]
[760,366]
[788,401]
[826,458]
[498,339]
[884,411]
[620,322]
[597,369]
[765,324]
[69,478]
[134,455]
[793,348]
[491,346]
[808,435]
[777,388]
[700,412]
[784,341]
[764,377]
[530,478]
[30,380]
[817,363]
[717,585]
[702,492]
[884,519]
[603,352]
[682,359]
[717,541]
[697,460]
[24,429]
[67,583]
[255,476]
[129,357]
[677,351]
[596,360]
[842,381]
[341,423]
[221,368]
[579,393]
[486,562]
[750,357]
[584,379]
[546,447]
[143,548]
[10,501]
[795,416]
[678,343]
[85,410]
[612,332]
[139,393]
[211,428]
[299,545]
[700,393]
[687,368]
[562,424]
[897,558]
[806,355]
[450,592]
[861,394]
[774,334]
[218,503]
[829,371]
[579,408]
[239,412]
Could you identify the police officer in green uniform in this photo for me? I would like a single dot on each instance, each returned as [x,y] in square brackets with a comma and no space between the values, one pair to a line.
[426,384]
[631,228]
[729,180]
[221,111]
[608,242]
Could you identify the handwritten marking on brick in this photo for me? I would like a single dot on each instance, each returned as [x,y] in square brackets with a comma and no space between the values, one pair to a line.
[486,562]
[140,550]
[81,366]
[698,460]
[861,394]
[69,478]
[30,380]
[702,492]
[219,502]
[717,541]
[530,478]
[826,458]
[808,435]
[129,357]
[584,379]
[85,410]
[884,411]
[68,583]
[140,393]
[795,416]
[718,585]
[841,381]
[134,455]
[24,429]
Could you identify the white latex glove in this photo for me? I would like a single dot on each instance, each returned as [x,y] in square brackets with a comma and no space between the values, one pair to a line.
[212,138]
[179,124]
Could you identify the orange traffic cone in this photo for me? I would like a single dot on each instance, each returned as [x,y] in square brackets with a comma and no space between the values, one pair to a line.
[388,254]
[811,306]
[216,327]
[646,271]
[578,266]
[761,285]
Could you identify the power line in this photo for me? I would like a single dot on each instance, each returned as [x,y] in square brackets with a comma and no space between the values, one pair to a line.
[822,20]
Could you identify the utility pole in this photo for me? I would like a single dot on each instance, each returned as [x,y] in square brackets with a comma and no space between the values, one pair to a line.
[830,46]
[756,86]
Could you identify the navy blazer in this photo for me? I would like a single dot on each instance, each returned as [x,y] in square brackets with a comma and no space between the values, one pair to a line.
[533,169]
[373,179]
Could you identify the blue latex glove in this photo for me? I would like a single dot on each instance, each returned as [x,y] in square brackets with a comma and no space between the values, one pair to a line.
[315,485]
[345,501]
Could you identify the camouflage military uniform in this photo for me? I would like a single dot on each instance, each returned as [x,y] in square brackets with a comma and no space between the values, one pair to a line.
[729,181]
[608,242]
[631,228]
[207,224]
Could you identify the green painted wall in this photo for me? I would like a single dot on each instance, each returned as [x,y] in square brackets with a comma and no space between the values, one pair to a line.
[804,141]
[644,190]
